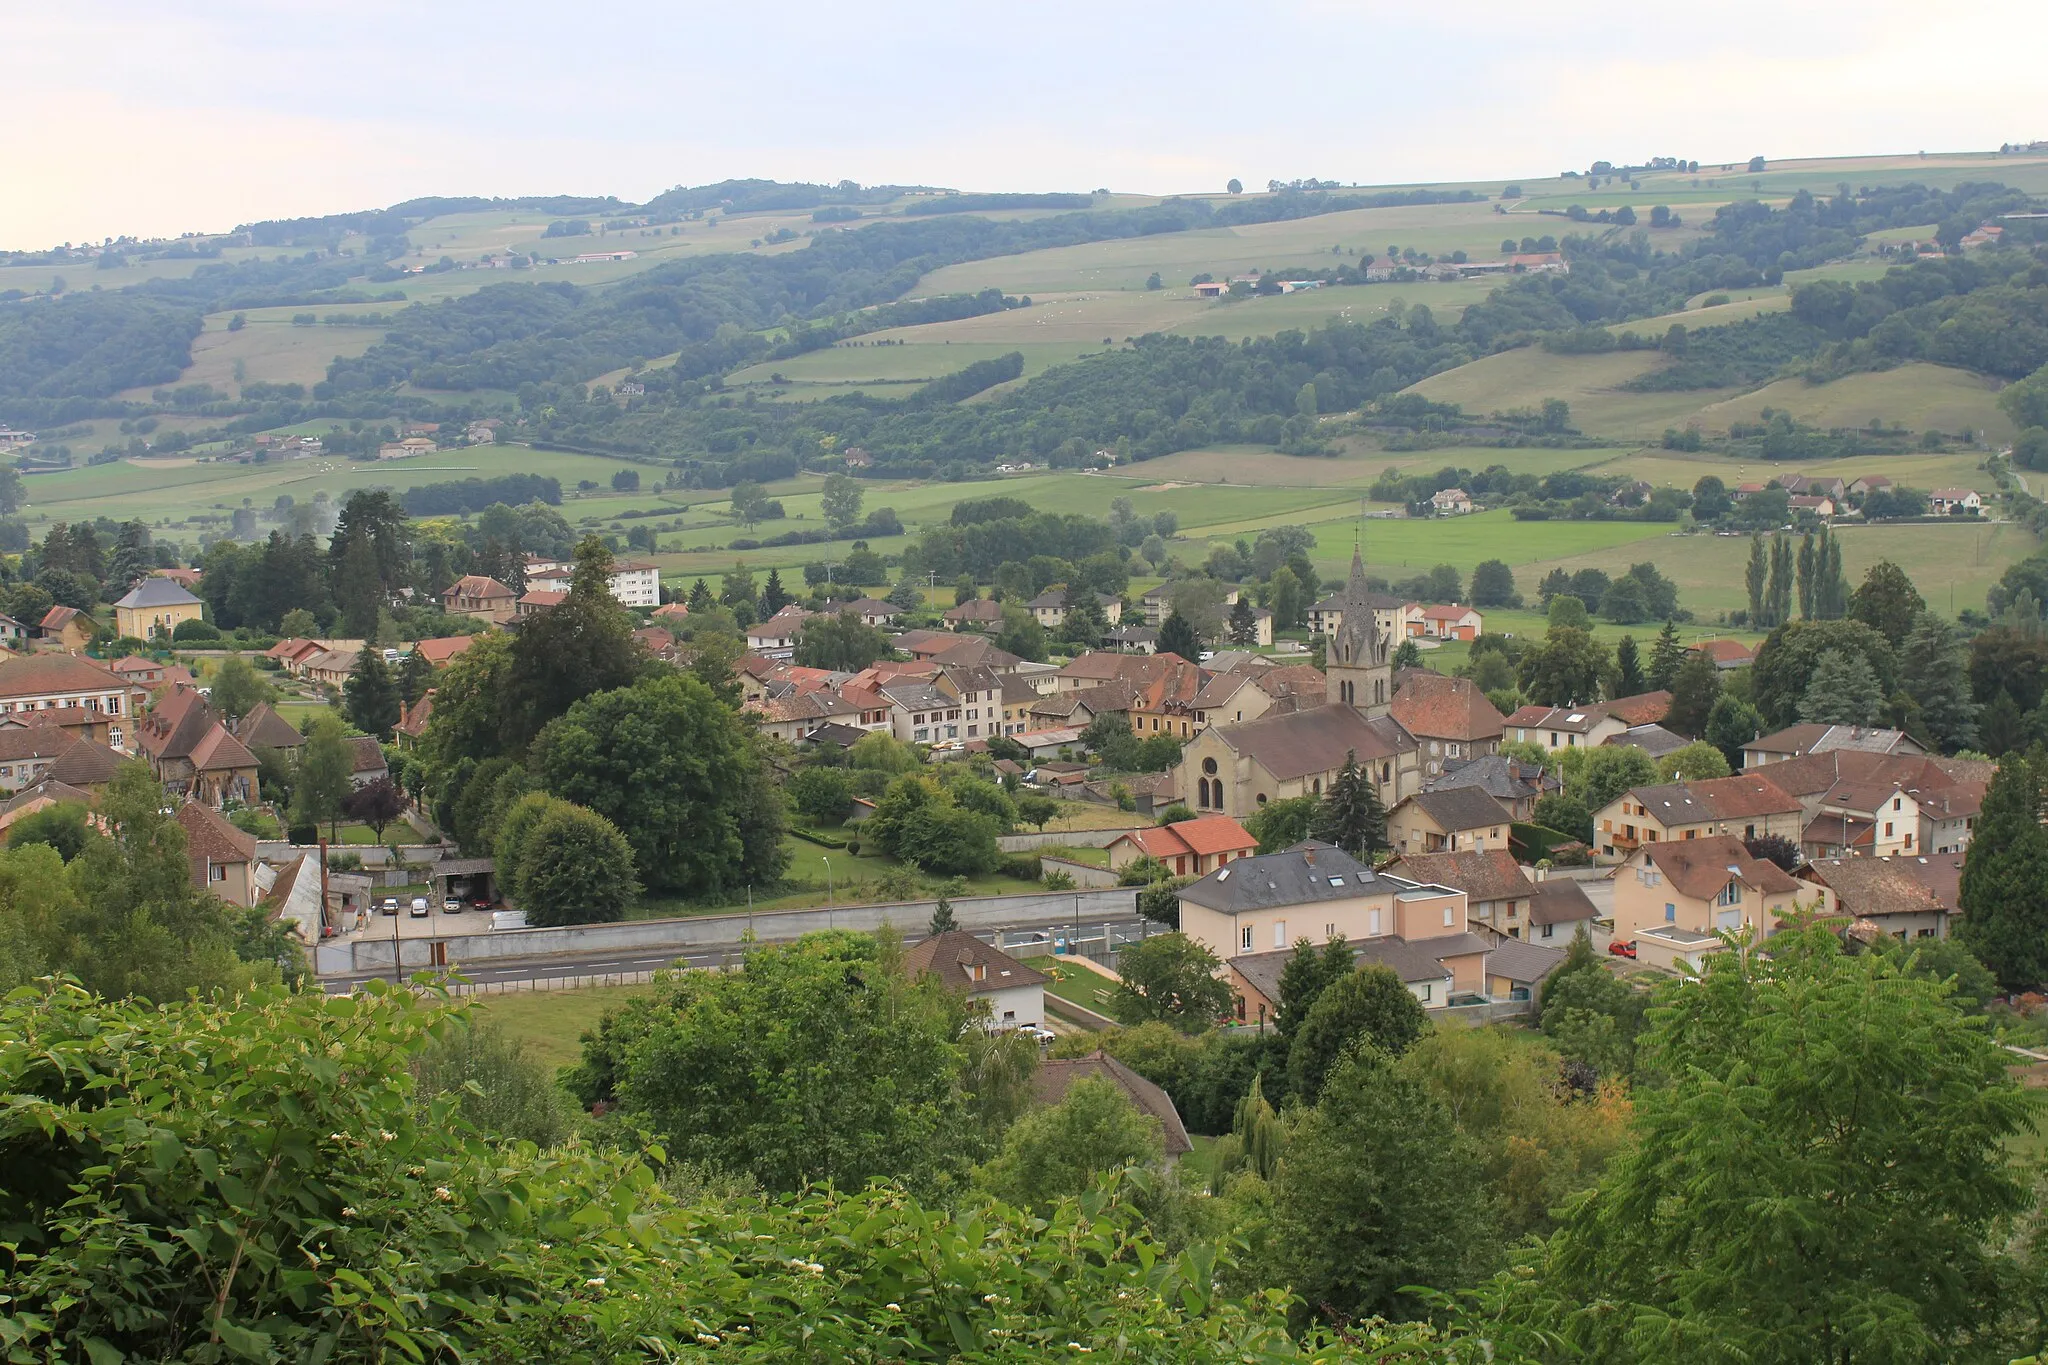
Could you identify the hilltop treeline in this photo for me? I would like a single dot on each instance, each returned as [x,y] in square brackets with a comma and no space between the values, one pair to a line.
[95,344]
[460,496]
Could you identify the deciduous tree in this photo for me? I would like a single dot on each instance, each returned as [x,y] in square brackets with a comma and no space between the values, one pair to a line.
[1172,979]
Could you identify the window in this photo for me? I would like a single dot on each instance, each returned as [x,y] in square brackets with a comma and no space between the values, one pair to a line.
[1329,931]
[1449,912]
[1426,989]
[1280,933]
[1336,881]
[1372,921]
[1749,831]
[1670,913]
[216,873]
[1549,930]
[1247,938]
[1731,894]
[1887,829]
[1896,803]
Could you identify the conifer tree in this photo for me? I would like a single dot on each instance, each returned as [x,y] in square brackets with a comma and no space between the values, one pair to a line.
[2005,878]
[1351,816]
[1779,604]
[1666,657]
[1628,668]
[1244,625]
[700,596]
[1843,691]
[1807,564]
[1932,671]
[370,695]
[774,597]
[1177,636]
[942,921]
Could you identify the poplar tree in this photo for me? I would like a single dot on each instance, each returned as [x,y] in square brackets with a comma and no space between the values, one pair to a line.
[1754,578]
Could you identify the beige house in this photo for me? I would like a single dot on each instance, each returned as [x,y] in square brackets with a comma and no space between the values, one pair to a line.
[223,858]
[1252,913]
[1050,607]
[1565,727]
[485,598]
[154,608]
[1744,806]
[1703,886]
[1498,894]
[1448,820]
[1450,718]
[1907,898]
[1795,741]
[1864,820]
[71,628]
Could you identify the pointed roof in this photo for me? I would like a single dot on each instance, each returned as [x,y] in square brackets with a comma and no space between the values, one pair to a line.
[210,836]
[87,763]
[264,727]
[219,751]
[157,592]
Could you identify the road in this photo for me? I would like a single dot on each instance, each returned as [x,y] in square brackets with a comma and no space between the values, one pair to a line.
[1025,939]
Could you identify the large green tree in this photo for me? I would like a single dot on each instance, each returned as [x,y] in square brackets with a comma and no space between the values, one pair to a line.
[680,776]
[1177,636]
[1694,690]
[325,775]
[1370,1007]
[370,696]
[822,1060]
[1842,691]
[1062,1150]
[1934,672]
[575,867]
[839,643]
[237,689]
[1785,663]
[1308,973]
[1567,667]
[1378,1193]
[1667,655]
[1823,1175]
[1172,979]
[1887,602]
[582,644]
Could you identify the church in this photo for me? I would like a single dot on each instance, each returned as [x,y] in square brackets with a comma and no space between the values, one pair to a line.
[1235,769]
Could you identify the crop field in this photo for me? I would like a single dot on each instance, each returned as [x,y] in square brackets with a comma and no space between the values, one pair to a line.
[1400,548]
[1749,304]
[1951,565]
[268,351]
[1524,378]
[1670,468]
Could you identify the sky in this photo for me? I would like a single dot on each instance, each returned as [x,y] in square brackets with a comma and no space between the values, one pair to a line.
[150,120]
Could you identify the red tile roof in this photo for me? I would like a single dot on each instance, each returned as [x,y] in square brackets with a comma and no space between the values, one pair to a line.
[1436,707]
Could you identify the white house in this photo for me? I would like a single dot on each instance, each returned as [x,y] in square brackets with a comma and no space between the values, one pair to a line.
[1451,502]
[632,584]
[1013,992]
[1946,501]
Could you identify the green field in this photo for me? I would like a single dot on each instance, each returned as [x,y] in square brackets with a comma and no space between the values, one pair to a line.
[1522,379]
[551,1023]
[1919,396]
[1091,990]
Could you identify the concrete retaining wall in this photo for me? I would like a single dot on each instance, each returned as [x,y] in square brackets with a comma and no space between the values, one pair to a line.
[1077,838]
[680,935]
[277,852]
[1076,1014]
[1084,874]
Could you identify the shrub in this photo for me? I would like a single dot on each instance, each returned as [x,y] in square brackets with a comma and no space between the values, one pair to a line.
[196,629]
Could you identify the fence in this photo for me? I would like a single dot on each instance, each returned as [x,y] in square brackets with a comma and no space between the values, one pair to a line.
[549,983]
[1045,909]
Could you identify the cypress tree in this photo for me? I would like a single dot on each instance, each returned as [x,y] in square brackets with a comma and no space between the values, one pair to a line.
[370,695]
[1628,668]
[1807,566]
[1177,636]
[1351,816]
[942,921]
[1754,578]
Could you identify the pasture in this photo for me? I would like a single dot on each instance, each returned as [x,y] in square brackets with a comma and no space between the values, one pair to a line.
[267,350]
[1920,396]
[1522,379]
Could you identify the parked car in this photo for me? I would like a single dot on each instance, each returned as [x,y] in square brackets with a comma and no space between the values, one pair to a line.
[388,906]
[1621,948]
[419,907]
[452,906]
[1037,1031]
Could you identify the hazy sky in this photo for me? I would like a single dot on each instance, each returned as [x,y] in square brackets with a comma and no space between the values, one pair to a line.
[122,117]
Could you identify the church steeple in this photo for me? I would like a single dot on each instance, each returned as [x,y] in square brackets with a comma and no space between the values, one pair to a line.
[1358,665]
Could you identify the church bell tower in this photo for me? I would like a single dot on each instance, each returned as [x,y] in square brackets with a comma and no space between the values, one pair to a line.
[1358,662]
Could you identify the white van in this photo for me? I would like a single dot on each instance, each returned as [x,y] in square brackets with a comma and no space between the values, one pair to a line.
[508,919]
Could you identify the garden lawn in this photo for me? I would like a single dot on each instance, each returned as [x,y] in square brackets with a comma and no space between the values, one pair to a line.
[551,1023]
[1090,990]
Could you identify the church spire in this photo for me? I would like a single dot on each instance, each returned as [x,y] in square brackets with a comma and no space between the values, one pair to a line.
[1356,585]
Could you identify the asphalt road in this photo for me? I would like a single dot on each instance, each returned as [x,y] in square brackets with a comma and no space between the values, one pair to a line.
[1027,940]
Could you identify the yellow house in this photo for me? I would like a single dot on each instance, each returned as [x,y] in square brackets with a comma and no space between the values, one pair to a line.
[153,608]
[1746,806]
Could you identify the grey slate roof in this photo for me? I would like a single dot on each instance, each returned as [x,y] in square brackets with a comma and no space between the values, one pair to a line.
[1494,774]
[1524,962]
[157,592]
[1456,808]
[1654,740]
[1299,875]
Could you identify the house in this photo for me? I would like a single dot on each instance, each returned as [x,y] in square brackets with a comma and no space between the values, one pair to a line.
[1259,908]
[1013,993]
[1561,727]
[776,637]
[979,614]
[1157,604]
[1049,1084]
[87,766]
[26,753]
[1450,719]
[1811,504]
[1327,615]
[794,715]
[1654,740]
[366,761]
[1451,502]
[1050,607]
[476,595]
[153,609]
[330,668]
[1211,289]
[1498,894]
[263,728]
[138,671]
[1515,785]
[1191,848]
[412,723]
[1867,484]
[1701,886]
[1451,622]
[1988,235]
[1796,740]
[191,752]
[1145,640]
[1049,743]
[1726,654]
[1540,263]
[223,858]
[71,628]
[534,601]
[1946,502]
[1744,806]
[1906,897]
[442,649]
[12,632]
[1516,969]
[633,583]
[856,458]
[1559,910]
[1235,697]
[672,611]
[67,684]
[870,611]
[1948,791]
[1446,821]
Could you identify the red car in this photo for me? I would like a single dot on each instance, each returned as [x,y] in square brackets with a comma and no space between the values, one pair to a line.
[1621,949]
